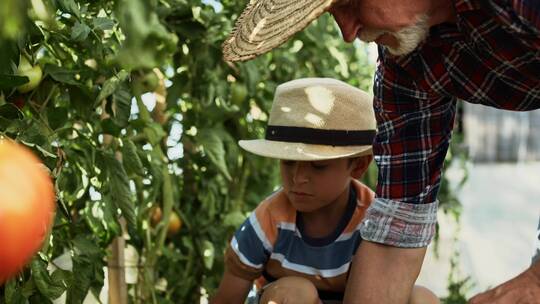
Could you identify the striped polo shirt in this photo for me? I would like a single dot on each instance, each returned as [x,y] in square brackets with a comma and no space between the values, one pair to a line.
[270,244]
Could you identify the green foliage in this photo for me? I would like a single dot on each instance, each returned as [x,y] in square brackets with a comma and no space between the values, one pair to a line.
[458,286]
[113,157]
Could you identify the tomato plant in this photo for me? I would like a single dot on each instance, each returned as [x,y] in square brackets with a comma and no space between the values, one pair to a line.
[238,93]
[135,106]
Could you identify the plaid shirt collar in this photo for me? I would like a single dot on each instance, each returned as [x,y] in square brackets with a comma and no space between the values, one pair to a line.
[466,5]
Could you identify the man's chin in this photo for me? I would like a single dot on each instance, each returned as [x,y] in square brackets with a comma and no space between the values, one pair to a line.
[401,51]
[396,49]
[402,42]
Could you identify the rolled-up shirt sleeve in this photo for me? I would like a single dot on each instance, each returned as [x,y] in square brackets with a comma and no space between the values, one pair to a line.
[248,250]
[414,131]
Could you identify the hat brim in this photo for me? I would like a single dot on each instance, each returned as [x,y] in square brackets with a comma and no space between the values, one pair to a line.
[266,24]
[300,151]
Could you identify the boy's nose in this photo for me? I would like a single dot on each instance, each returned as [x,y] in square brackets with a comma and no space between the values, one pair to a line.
[300,174]
[346,24]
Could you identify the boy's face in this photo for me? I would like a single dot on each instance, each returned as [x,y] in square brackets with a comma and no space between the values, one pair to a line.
[311,185]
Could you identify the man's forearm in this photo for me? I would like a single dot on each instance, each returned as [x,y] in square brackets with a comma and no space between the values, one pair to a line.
[383,274]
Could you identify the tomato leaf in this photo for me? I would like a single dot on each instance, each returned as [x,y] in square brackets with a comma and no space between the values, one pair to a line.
[10,57]
[122,103]
[12,293]
[82,279]
[214,149]
[29,288]
[80,31]
[9,111]
[69,6]
[57,117]
[130,158]
[81,100]
[12,81]
[154,132]
[102,23]
[86,247]
[109,127]
[44,283]
[119,188]
[61,74]
[111,85]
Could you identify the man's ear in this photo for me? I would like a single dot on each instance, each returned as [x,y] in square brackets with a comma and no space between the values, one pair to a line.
[359,165]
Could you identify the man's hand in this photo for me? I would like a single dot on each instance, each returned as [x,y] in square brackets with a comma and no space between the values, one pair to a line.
[523,289]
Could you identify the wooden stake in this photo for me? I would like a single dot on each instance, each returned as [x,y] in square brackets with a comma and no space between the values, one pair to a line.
[116,269]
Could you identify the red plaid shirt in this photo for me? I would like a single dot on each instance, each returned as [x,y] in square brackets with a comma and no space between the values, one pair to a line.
[491,56]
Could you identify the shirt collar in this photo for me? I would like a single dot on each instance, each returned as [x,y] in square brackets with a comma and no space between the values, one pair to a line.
[466,5]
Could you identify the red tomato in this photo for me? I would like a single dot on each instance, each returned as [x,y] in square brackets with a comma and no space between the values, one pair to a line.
[18,101]
[27,204]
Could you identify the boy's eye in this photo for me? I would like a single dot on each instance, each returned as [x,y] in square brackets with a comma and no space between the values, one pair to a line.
[341,3]
[288,162]
[319,166]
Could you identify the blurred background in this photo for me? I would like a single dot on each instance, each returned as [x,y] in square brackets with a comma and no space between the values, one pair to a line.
[131,107]
[495,235]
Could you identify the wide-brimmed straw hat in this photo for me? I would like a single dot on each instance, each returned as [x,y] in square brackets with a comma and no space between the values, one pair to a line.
[316,119]
[266,24]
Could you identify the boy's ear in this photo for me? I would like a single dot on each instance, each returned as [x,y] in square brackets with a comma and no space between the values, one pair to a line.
[359,165]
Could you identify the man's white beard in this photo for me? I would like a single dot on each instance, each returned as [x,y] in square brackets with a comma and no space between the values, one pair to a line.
[408,38]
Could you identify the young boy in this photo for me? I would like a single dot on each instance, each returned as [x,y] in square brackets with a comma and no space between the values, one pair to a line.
[298,244]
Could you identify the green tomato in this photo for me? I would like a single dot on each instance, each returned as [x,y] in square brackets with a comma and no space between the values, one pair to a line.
[238,93]
[34,74]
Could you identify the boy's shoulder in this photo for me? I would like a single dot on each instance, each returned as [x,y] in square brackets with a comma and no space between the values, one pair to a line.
[364,194]
[273,213]
[276,208]
[364,197]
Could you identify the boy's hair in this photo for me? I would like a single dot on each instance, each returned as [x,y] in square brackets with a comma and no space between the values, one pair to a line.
[351,159]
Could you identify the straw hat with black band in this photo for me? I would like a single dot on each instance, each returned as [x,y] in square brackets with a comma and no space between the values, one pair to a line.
[317,119]
[266,24]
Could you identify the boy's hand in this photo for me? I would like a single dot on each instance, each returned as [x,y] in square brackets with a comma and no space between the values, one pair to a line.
[232,290]
[525,288]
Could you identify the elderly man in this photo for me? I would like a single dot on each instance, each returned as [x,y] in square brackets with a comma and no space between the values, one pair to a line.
[432,53]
